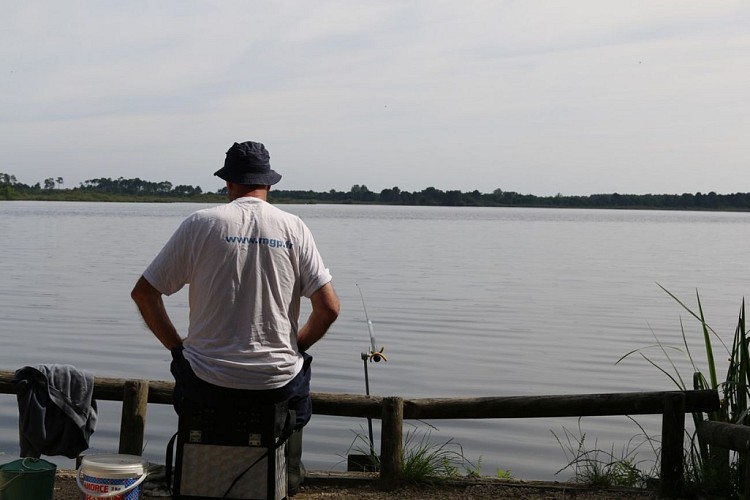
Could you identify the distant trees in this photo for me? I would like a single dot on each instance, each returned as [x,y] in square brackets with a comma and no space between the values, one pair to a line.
[392,195]
[362,194]
[51,183]
[498,197]
[137,187]
[10,187]
[7,179]
[183,190]
[7,185]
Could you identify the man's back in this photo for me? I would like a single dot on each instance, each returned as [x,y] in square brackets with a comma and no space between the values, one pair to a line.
[247,263]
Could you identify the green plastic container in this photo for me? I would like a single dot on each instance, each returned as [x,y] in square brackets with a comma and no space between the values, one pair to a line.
[27,479]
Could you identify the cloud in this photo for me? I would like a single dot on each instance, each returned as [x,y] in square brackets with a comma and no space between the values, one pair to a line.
[531,96]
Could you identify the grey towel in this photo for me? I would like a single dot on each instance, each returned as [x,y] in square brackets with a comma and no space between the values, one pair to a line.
[56,410]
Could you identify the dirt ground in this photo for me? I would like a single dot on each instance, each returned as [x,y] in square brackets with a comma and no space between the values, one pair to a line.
[327,487]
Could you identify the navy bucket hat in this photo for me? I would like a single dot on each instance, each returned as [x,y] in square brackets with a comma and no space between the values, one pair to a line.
[248,163]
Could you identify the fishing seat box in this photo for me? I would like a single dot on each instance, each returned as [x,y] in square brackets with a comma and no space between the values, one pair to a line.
[231,451]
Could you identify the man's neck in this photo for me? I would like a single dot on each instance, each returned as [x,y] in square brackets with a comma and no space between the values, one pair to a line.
[260,194]
[242,191]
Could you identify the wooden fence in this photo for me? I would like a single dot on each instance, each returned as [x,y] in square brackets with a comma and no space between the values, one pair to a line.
[732,437]
[392,411]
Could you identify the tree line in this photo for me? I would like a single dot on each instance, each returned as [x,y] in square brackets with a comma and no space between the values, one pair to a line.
[104,185]
[500,198]
[138,188]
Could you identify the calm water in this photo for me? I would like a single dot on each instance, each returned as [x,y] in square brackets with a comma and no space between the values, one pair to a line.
[467,301]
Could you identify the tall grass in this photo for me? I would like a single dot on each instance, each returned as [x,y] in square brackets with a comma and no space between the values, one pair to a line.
[707,467]
[426,461]
[606,469]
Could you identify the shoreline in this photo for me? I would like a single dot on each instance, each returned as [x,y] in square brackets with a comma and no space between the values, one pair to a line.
[361,485]
[281,197]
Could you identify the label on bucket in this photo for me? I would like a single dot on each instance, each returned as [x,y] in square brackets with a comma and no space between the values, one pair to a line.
[102,486]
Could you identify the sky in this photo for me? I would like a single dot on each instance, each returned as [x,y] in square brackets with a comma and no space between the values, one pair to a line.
[572,97]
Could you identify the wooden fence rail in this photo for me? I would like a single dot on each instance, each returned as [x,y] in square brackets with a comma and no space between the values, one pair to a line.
[392,411]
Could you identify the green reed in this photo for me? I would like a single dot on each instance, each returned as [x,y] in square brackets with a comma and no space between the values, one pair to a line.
[707,467]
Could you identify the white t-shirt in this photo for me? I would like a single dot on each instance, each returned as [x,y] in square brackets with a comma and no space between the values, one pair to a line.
[247,263]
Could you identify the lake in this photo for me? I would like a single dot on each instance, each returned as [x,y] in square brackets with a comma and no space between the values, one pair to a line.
[467,302]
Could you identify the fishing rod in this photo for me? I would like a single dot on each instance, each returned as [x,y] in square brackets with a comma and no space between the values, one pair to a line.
[374,354]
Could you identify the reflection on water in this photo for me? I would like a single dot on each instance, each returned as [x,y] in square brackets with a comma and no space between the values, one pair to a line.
[467,301]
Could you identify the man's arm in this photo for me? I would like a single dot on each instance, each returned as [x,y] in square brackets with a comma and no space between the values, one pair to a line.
[150,304]
[325,310]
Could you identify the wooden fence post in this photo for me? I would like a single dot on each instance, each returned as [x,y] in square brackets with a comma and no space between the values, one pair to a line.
[133,420]
[672,439]
[391,442]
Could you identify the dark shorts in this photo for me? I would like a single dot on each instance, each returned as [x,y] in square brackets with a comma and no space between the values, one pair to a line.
[189,386]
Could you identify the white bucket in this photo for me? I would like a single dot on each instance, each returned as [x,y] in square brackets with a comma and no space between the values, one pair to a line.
[116,477]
